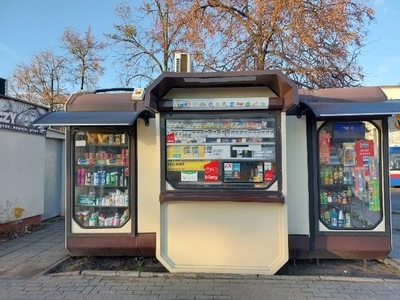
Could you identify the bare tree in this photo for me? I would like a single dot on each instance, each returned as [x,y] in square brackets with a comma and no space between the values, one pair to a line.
[148,38]
[41,81]
[315,42]
[84,55]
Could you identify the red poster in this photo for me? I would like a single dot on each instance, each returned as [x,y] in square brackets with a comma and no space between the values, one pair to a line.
[171,137]
[364,148]
[211,171]
[324,147]
[268,175]
[268,172]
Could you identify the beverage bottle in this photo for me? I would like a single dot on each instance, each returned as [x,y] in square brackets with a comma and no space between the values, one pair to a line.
[326,179]
[340,175]
[322,176]
[340,218]
[92,220]
[345,176]
[124,217]
[327,216]
[347,219]
[108,179]
[329,198]
[334,218]
[103,178]
[96,178]
[116,220]
[121,178]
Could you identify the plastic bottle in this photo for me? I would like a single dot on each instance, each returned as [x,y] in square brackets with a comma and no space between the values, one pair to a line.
[96,178]
[340,175]
[124,217]
[347,219]
[334,218]
[116,220]
[340,218]
[329,197]
[108,179]
[103,178]
[92,220]
[327,176]
[121,178]
[335,176]
[327,216]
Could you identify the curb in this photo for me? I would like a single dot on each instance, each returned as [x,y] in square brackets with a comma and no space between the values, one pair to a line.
[197,276]
[394,262]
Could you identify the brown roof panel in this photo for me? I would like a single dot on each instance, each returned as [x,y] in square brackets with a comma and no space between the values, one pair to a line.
[364,94]
[275,80]
[95,101]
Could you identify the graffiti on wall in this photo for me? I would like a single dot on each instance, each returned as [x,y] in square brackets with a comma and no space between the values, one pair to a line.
[18,116]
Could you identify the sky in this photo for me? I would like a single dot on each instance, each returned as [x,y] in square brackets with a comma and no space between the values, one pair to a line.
[31,26]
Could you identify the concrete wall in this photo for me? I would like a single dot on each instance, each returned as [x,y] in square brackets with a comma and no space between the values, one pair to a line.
[22,159]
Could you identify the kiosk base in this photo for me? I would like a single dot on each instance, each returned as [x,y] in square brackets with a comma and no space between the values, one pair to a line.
[143,245]
[340,247]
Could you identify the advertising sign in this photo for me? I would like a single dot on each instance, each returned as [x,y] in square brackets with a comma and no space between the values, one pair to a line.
[221,103]
[18,116]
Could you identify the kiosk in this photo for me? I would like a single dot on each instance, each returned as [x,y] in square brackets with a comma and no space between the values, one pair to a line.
[223,170]
[106,132]
[228,172]
[339,198]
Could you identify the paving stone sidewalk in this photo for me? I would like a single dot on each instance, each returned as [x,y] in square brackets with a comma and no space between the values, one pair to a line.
[24,262]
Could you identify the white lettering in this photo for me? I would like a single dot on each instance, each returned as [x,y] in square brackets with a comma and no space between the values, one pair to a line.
[8,117]
[211,177]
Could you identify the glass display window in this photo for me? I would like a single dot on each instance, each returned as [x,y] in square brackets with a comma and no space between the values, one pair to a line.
[221,152]
[101,179]
[349,175]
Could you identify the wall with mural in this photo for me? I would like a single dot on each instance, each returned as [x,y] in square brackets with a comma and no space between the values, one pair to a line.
[17,115]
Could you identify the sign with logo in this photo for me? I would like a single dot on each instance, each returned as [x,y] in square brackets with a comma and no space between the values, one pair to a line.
[18,116]
[221,103]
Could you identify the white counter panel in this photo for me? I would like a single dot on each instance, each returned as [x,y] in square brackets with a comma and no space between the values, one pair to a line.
[222,237]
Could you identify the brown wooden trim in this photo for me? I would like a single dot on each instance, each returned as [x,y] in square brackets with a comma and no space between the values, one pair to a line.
[351,246]
[235,196]
[143,244]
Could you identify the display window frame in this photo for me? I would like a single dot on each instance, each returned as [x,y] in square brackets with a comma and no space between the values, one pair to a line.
[113,196]
[349,172]
[268,177]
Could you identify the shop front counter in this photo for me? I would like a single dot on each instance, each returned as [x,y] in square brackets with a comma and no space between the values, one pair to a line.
[222,201]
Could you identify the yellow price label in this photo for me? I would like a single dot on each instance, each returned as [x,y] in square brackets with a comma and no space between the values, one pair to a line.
[186,165]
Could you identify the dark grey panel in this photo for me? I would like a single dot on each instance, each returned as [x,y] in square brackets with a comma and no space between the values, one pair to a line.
[81,118]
